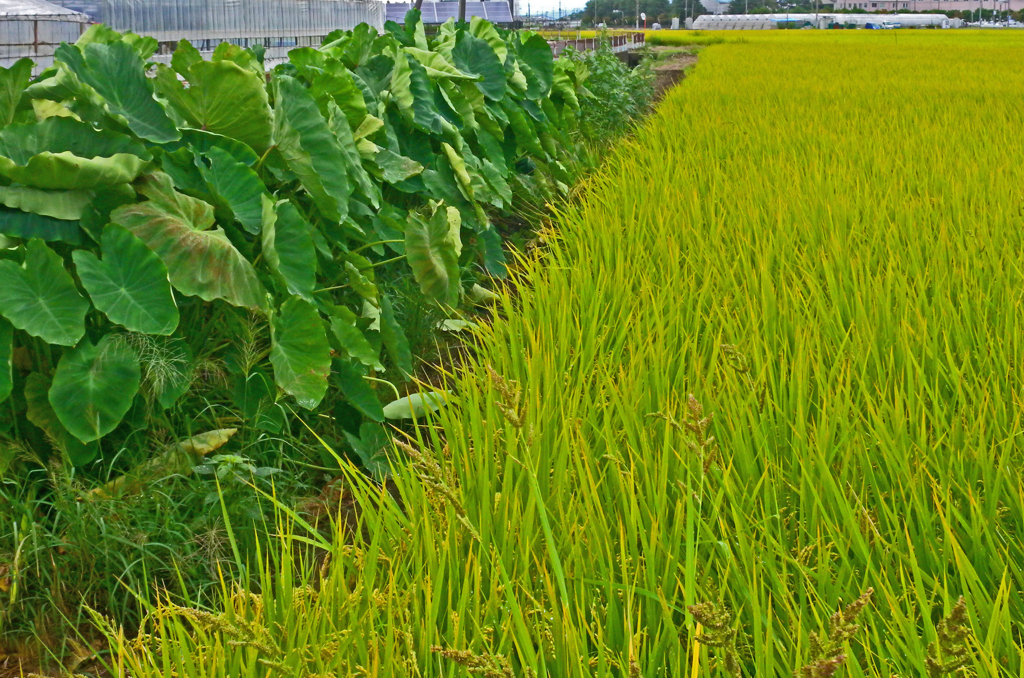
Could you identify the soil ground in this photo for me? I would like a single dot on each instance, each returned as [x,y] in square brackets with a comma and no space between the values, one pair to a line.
[670,68]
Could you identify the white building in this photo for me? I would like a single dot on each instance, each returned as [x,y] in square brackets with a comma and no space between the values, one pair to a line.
[754,22]
[928,5]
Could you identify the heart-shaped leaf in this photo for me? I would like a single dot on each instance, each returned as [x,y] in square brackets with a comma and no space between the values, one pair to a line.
[412,92]
[117,73]
[432,249]
[538,65]
[300,353]
[346,330]
[40,298]
[13,82]
[130,285]
[40,412]
[474,56]
[236,184]
[329,80]
[94,386]
[339,125]
[288,247]
[222,97]
[200,259]
[305,141]
[63,153]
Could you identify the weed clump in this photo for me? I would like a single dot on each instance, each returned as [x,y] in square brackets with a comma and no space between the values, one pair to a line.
[950,653]
[719,633]
[827,653]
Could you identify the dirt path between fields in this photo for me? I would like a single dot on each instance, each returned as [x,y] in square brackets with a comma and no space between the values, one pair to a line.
[670,69]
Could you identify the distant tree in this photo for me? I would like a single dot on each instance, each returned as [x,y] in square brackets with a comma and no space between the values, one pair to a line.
[738,6]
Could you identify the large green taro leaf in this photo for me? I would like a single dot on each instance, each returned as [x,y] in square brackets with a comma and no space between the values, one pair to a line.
[494,257]
[288,247]
[67,205]
[63,153]
[201,141]
[27,225]
[329,80]
[432,248]
[436,66]
[130,284]
[13,82]
[200,259]
[458,165]
[40,412]
[117,73]
[411,90]
[340,127]
[357,391]
[344,325]
[395,341]
[525,133]
[40,298]
[395,168]
[221,97]
[563,86]
[485,30]
[300,353]
[474,56]
[94,386]
[145,46]
[459,102]
[310,148]
[236,184]
[538,66]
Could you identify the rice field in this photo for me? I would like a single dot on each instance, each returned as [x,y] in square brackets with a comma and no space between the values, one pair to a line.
[769,364]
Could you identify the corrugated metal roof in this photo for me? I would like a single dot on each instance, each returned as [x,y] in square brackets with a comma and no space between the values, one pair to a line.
[38,10]
[495,11]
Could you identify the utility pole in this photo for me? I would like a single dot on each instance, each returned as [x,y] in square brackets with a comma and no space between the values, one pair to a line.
[638,15]
[462,11]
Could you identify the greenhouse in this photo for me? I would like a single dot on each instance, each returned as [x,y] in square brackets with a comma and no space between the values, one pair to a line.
[736,22]
[34,29]
[276,25]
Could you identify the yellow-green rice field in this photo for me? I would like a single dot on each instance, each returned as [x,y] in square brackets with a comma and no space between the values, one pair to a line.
[819,236]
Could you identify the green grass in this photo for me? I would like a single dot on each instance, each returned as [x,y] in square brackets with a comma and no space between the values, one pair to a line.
[828,257]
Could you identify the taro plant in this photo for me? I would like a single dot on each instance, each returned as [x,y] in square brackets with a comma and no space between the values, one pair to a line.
[146,203]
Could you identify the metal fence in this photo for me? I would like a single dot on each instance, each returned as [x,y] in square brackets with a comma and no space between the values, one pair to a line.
[622,42]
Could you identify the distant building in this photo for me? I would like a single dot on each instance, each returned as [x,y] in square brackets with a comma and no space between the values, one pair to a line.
[277,25]
[930,5]
[33,29]
[754,22]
